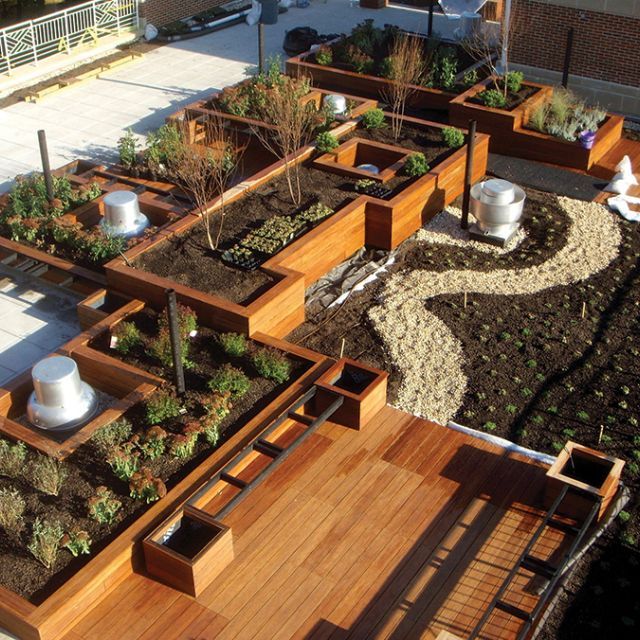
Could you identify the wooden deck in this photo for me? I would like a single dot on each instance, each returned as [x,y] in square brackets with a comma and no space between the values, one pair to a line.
[398,531]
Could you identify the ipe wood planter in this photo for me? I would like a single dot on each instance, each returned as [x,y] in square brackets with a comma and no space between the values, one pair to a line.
[595,475]
[363,388]
[188,550]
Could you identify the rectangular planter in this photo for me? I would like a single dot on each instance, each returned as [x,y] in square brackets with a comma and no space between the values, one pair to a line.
[595,475]
[363,388]
[188,550]
[97,306]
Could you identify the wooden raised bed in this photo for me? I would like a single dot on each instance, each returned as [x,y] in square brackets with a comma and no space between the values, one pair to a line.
[104,572]
[509,135]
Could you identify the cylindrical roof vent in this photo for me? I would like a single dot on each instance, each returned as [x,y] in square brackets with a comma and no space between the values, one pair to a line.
[122,215]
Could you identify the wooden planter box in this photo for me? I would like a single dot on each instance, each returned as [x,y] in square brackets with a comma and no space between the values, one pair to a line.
[509,135]
[188,550]
[125,385]
[363,388]
[98,306]
[595,474]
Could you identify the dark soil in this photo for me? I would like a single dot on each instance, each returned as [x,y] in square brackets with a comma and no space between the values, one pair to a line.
[631,134]
[513,99]
[190,538]
[87,467]
[177,258]
[539,374]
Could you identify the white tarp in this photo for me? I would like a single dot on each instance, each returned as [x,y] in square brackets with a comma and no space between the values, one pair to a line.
[455,8]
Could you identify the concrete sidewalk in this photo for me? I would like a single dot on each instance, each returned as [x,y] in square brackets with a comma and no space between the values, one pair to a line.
[86,121]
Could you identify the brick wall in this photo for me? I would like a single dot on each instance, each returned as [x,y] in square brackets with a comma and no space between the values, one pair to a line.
[605,47]
[161,12]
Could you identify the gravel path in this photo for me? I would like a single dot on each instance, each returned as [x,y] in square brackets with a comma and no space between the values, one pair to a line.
[422,347]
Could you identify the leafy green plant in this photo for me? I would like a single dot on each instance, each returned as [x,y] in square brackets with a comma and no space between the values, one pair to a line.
[513,81]
[233,344]
[489,426]
[12,506]
[124,460]
[582,415]
[453,137]
[363,184]
[470,78]
[127,149]
[127,337]
[217,406]
[361,61]
[45,541]
[324,55]
[326,142]
[103,506]
[12,458]
[160,346]
[143,485]
[77,543]
[162,405]
[531,363]
[161,146]
[271,364]
[152,443]
[112,434]
[373,119]
[416,165]
[230,378]
[315,213]
[538,118]
[47,474]
[183,445]
[493,98]
[511,408]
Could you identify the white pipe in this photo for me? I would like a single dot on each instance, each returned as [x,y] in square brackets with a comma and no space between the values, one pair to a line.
[506,18]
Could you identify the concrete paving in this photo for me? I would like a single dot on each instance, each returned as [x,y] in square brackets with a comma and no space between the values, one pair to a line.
[87,120]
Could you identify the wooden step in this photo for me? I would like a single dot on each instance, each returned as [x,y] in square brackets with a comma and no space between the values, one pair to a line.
[57,277]
[268,448]
[38,269]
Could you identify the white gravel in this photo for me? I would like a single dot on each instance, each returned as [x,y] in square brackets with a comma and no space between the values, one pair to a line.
[428,355]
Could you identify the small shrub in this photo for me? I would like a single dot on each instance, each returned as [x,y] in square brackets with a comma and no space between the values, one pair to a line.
[531,364]
[160,346]
[153,443]
[211,431]
[230,378]
[271,364]
[513,80]
[493,98]
[624,516]
[47,474]
[363,184]
[127,149]
[324,55]
[452,137]
[326,141]
[470,78]
[12,506]
[582,415]
[145,486]
[162,405]
[112,434]
[233,344]
[45,541]
[77,543]
[489,426]
[183,445]
[12,458]
[373,119]
[124,461]
[416,165]
[127,336]
[103,506]
[217,407]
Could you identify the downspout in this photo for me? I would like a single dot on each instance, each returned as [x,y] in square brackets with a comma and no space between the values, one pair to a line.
[506,17]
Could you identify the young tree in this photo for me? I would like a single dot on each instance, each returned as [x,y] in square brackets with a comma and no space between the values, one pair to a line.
[204,169]
[406,68]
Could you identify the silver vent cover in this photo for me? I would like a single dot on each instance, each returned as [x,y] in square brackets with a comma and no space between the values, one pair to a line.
[122,215]
[60,400]
[497,206]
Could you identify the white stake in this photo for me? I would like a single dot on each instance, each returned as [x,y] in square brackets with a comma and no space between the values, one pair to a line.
[342,348]
[465,299]
[584,310]
[600,435]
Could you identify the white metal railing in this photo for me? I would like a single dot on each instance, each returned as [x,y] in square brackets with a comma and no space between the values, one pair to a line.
[64,31]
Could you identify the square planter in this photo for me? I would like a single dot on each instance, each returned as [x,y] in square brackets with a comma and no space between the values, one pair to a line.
[188,550]
[363,388]
[98,306]
[593,473]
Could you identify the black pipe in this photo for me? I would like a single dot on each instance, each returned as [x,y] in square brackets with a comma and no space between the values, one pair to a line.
[567,58]
[260,47]
[430,28]
[468,173]
[176,342]
[46,167]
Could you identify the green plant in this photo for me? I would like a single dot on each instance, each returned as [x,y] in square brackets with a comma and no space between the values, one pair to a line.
[531,364]
[12,506]
[538,118]
[513,81]
[557,446]
[47,474]
[127,336]
[314,213]
[324,55]
[361,61]
[493,98]
[452,137]
[160,346]
[445,68]
[162,145]
[183,445]
[100,247]
[12,458]
[162,405]
[103,506]
[233,344]
[230,378]
[124,460]
[416,165]
[326,141]
[45,541]
[271,364]
[470,78]
[489,426]
[127,149]
[112,434]
[363,184]
[77,543]
[373,119]
[624,516]
[152,443]
[511,408]
[143,485]
[582,415]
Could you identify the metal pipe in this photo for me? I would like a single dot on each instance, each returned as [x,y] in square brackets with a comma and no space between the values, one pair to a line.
[176,343]
[506,20]
[46,167]
[567,58]
[260,47]
[468,173]
[430,28]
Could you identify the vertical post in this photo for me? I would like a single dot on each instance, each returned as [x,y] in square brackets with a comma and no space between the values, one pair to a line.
[430,28]
[118,16]
[260,47]
[6,51]
[46,167]
[33,43]
[567,58]
[505,27]
[67,32]
[468,173]
[174,335]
